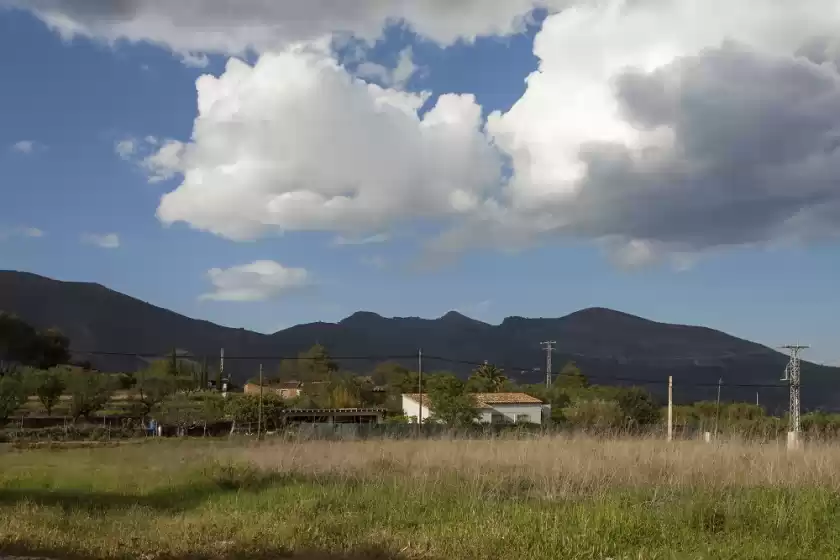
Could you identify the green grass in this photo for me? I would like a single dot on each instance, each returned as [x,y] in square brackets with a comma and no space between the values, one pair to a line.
[213,500]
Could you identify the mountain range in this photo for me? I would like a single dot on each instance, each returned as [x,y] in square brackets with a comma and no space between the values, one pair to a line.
[610,347]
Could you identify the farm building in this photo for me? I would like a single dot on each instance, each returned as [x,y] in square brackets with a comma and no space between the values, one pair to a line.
[285,390]
[493,408]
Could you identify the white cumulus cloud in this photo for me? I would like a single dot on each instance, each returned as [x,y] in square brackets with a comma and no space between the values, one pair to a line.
[31,232]
[296,143]
[103,240]
[667,128]
[376,238]
[24,146]
[259,281]
[125,148]
[390,77]
[193,27]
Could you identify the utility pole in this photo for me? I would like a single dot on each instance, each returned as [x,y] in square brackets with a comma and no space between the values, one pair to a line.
[549,348]
[717,407]
[222,384]
[670,408]
[419,390]
[792,372]
[260,416]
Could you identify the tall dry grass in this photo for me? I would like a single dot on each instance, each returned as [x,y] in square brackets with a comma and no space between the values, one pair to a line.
[544,498]
[559,466]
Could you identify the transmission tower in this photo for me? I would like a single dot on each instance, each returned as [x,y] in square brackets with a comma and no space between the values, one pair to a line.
[548,346]
[792,372]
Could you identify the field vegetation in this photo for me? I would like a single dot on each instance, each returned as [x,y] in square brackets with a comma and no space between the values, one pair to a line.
[549,497]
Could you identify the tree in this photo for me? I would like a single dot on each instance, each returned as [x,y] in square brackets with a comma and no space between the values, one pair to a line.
[21,343]
[450,402]
[487,378]
[12,395]
[638,407]
[388,373]
[594,414]
[212,409]
[53,349]
[89,392]
[172,365]
[176,410]
[342,396]
[153,389]
[405,381]
[316,365]
[570,377]
[245,409]
[49,386]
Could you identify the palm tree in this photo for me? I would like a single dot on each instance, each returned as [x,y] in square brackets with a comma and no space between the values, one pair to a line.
[488,378]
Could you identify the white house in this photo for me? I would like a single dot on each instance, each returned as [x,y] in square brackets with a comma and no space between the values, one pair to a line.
[493,408]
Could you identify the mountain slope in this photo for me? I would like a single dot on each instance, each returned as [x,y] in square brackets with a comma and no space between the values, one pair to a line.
[609,346]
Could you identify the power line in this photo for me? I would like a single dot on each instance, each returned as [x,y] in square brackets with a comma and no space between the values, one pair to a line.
[475,363]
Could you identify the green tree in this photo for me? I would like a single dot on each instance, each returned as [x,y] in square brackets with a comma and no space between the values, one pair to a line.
[638,407]
[212,409]
[594,414]
[316,365]
[89,392]
[49,386]
[53,349]
[450,403]
[172,368]
[570,377]
[388,373]
[487,378]
[343,396]
[12,395]
[21,343]
[176,410]
[406,381]
[245,410]
[152,389]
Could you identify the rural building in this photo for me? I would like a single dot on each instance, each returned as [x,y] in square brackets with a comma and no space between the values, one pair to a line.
[285,390]
[493,408]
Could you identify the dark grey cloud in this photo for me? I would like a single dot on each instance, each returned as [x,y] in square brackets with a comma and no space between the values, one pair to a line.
[755,147]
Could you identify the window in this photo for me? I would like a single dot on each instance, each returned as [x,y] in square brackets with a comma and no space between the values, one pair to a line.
[497,418]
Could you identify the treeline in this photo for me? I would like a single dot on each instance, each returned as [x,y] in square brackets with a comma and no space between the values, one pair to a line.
[20,343]
[179,391]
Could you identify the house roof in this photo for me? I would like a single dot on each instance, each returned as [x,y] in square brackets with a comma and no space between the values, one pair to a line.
[484,400]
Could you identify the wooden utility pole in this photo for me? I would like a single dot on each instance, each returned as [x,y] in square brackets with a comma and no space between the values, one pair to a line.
[670,408]
[419,390]
[717,407]
[259,418]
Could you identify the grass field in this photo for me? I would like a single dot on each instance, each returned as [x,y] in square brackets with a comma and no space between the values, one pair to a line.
[532,499]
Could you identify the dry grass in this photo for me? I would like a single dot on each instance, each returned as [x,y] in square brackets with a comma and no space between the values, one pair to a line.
[563,466]
[573,498]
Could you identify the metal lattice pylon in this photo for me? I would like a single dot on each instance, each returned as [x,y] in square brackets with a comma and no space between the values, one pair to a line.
[792,375]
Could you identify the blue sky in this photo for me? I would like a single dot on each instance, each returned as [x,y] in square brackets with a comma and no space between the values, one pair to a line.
[65,104]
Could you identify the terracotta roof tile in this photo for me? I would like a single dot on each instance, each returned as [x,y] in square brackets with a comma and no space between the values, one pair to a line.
[486,400]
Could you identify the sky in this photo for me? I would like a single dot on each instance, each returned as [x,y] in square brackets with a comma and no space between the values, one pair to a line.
[262,165]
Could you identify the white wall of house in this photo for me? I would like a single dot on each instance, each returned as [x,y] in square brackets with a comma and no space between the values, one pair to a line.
[411,409]
[532,413]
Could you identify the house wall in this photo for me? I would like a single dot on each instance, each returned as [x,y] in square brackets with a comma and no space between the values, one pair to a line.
[411,409]
[533,412]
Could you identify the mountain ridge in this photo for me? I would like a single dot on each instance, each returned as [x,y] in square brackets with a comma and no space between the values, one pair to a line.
[609,346]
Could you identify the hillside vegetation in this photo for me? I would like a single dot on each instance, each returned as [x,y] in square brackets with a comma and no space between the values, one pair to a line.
[611,347]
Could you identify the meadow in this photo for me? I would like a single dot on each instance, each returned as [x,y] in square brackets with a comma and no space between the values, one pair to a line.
[550,497]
